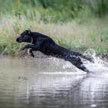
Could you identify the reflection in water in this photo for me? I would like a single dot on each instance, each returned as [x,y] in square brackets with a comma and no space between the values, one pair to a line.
[50,83]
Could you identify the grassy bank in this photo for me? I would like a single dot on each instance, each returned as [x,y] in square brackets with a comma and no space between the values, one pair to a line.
[73,35]
[77,25]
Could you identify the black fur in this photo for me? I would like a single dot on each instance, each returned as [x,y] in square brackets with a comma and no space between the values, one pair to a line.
[43,43]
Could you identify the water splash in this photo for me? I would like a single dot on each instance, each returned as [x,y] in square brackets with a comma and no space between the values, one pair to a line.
[99,65]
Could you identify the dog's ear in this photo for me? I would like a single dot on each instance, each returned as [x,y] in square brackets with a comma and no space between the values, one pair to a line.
[29,31]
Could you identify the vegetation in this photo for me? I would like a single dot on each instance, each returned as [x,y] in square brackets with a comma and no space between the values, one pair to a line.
[77,25]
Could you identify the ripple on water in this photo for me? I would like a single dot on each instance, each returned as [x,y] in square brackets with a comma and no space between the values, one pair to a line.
[50,83]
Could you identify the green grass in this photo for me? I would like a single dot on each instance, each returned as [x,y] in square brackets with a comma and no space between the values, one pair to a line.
[72,35]
[76,25]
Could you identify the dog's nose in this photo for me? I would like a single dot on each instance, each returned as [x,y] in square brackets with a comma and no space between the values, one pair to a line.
[17,39]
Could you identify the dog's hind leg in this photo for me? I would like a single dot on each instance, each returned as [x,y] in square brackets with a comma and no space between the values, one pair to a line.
[80,65]
[76,61]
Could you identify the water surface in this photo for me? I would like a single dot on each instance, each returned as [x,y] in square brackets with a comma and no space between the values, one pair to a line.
[50,83]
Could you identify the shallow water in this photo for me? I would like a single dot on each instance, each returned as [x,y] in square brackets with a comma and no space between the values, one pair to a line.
[51,83]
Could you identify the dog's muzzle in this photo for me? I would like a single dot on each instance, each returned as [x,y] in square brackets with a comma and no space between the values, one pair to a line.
[18,40]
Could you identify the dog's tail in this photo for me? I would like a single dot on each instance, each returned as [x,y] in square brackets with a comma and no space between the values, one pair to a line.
[87,58]
[81,55]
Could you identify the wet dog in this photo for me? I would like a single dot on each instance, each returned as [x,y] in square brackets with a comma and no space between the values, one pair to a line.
[45,44]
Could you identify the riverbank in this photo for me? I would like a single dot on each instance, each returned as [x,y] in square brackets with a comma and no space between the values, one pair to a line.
[73,35]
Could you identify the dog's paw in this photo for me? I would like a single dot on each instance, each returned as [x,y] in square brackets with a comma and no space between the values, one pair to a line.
[32,55]
[21,49]
[29,51]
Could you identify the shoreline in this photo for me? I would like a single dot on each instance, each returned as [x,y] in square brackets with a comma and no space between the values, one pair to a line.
[38,54]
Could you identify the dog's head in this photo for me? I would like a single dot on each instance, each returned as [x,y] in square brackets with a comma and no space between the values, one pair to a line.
[24,36]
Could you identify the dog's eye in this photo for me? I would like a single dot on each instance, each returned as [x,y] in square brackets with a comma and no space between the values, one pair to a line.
[25,37]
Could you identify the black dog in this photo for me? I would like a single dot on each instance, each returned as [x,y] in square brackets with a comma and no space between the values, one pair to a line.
[43,43]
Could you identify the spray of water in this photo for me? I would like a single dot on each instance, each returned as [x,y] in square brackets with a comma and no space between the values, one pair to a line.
[99,65]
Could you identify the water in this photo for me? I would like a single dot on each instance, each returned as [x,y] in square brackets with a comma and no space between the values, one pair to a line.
[51,83]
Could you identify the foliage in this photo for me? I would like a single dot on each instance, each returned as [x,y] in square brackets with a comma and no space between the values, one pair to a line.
[55,10]
[71,35]
[74,24]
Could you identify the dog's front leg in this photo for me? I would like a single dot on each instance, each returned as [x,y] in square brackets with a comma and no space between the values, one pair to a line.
[27,46]
[30,52]
[32,48]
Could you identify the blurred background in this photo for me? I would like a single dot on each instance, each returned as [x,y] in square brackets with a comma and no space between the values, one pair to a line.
[55,10]
[75,24]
